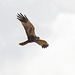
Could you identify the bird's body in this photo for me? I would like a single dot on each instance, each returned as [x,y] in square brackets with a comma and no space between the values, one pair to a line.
[30,31]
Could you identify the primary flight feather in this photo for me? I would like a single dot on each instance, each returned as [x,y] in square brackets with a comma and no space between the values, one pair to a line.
[30,31]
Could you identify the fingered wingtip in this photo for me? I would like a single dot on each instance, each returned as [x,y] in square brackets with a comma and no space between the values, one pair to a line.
[45,46]
[19,14]
[21,17]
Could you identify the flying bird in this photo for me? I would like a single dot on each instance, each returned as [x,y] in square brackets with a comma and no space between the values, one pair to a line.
[30,31]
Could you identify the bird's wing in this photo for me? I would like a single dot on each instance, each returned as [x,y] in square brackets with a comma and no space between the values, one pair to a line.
[42,43]
[24,43]
[29,28]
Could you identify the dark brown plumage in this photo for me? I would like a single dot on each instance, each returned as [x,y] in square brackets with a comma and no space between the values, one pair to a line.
[30,31]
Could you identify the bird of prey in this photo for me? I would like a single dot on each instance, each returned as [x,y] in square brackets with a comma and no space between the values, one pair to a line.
[30,31]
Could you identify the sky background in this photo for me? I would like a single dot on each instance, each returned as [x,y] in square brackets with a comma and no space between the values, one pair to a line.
[54,21]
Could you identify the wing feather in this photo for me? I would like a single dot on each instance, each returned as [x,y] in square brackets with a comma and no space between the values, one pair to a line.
[42,43]
[29,28]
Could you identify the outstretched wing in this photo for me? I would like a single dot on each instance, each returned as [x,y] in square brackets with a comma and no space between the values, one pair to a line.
[29,28]
[24,43]
[42,43]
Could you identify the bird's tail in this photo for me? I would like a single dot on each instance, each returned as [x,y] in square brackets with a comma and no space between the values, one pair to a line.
[24,43]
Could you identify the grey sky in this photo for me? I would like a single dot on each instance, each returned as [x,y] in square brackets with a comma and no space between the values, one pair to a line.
[54,21]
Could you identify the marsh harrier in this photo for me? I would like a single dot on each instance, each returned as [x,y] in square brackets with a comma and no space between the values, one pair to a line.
[30,31]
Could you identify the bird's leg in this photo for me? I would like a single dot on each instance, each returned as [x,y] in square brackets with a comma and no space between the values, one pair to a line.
[32,38]
[37,37]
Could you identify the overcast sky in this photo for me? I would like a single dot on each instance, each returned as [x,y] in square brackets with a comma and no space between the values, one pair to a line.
[54,21]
